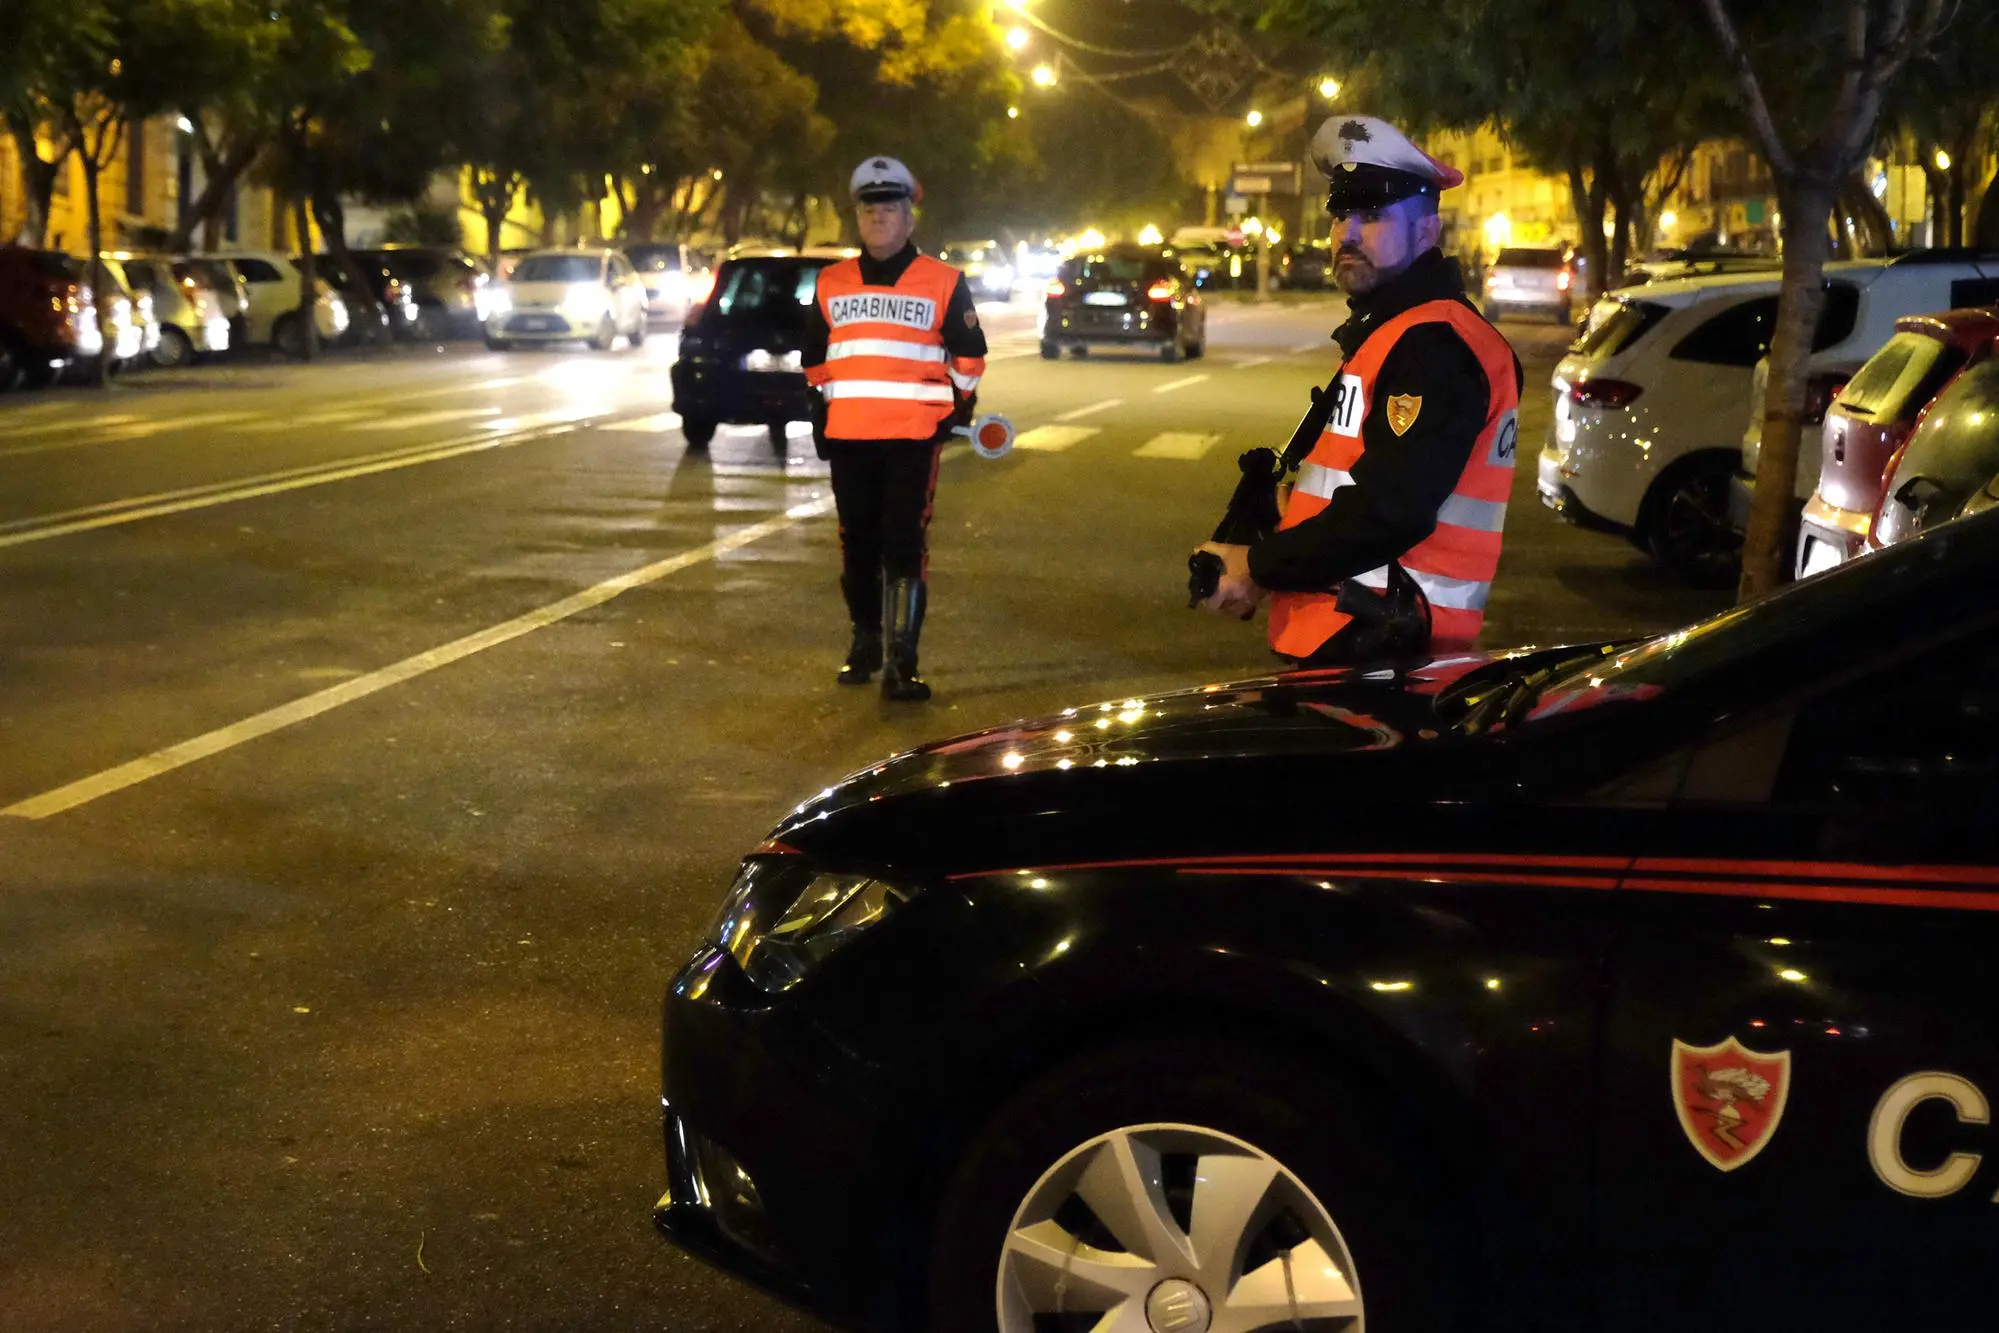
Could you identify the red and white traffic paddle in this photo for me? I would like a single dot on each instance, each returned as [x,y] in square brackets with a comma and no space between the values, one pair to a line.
[991,435]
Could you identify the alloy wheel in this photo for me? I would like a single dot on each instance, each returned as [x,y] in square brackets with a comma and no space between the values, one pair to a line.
[1173,1228]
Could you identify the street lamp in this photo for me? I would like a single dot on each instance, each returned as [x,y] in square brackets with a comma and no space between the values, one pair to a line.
[1013,113]
[1943,160]
[1329,87]
[1254,118]
[1017,38]
[1044,76]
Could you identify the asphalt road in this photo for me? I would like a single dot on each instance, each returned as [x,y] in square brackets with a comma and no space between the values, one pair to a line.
[376,737]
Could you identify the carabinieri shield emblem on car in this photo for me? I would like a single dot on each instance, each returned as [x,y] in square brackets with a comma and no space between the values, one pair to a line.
[1402,410]
[1729,1098]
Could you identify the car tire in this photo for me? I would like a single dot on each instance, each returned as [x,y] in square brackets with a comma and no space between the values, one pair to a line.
[494,344]
[1169,352]
[697,431]
[1197,350]
[1050,351]
[288,336]
[607,333]
[176,349]
[1349,1176]
[1684,523]
[13,364]
[1079,350]
[431,324]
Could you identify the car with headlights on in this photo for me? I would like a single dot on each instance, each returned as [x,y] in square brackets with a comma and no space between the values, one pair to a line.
[988,268]
[741,351]
[675,278]
[1125,296]
[1630,982]
[187,306]
[587,292]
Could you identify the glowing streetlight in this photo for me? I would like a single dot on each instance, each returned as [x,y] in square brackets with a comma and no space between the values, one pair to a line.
[1252,226]
[1013,113]
[1667,221]
[1044,76]
[1150,235]
[1254,118]
[716,173]
[1329,87]
[184,125]
[1943,160]
[1017,38]
[1017,6]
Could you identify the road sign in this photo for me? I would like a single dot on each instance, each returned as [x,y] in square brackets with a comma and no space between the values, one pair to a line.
[1235,235]
[1264,178]
[1235,205]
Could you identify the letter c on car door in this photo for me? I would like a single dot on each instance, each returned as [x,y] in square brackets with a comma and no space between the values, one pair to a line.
[1884,1134]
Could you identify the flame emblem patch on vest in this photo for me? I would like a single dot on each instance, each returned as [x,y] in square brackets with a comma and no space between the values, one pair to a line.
[1729,1098]
[1402,410]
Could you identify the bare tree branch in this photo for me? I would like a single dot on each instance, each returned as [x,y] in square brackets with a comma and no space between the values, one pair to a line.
[1774,146]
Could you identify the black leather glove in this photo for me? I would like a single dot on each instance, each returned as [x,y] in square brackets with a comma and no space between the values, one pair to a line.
[967,409]
[819,424]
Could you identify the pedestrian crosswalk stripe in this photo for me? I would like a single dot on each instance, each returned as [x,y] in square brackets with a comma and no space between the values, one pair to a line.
[1090,411]
[1182,444]
[652,425]
[1053,438]
[422,419]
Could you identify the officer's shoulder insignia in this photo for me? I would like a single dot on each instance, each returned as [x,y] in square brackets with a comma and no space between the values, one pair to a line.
[971,319]
[1402,410]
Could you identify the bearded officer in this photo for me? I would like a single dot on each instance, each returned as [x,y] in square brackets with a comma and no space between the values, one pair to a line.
[1391,532]
[895,348]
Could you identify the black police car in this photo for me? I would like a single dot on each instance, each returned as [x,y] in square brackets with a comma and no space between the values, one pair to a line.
[1633,986]
[1125,296]
[739,350]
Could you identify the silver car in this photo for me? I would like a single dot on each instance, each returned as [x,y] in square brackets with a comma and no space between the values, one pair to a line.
[189,311]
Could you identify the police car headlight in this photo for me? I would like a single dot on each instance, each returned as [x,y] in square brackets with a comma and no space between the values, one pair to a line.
[782,919]
[759,358]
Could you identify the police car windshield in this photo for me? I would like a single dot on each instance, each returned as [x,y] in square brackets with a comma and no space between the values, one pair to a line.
[559,268]
[1791,628]
[767,291]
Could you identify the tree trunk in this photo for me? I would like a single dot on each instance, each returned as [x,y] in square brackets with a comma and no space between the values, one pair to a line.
[332,218]
[220,173]
[308,281]
[99,286]
[1766,553]
[1587,201]
[38,184]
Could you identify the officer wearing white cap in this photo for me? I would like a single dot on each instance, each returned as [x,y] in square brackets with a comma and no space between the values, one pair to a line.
[1390,534]
[895,348]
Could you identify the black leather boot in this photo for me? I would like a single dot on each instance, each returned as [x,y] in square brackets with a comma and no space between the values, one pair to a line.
[864,654]
[902,625]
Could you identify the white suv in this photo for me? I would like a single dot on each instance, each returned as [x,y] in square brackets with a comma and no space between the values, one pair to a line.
[272,281]
[1650,402]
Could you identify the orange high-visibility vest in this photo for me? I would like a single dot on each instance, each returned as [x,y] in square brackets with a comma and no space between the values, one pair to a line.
[887,374]
[1454,565]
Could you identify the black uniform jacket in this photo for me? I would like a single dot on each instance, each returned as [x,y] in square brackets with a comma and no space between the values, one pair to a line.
[962,334]
[1401,481]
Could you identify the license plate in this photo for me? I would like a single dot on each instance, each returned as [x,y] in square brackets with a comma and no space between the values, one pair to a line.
[538,323]
[1103,298]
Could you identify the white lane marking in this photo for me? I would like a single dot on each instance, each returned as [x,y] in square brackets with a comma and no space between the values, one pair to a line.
[19,532]
[652,425]
[331,417]
[1253,361]
[1052,439]
[421,419]
[1318,345]
[1079,413]
[134,430]
[85,790]
[88,423]
[1171,385]
[1187,445]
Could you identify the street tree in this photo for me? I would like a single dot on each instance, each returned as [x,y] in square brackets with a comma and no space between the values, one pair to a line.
[45,40]
[1811,78]
[1945,112]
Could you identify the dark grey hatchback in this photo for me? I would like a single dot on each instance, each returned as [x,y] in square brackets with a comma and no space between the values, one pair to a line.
[1126,295]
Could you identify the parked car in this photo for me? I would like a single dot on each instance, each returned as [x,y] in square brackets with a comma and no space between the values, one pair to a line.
[1872,417]
[586,292]
[1631,982]
[48,319]
[675,279]
[740,360]
[987,267]
[1690,264]
[186,306]
[130,325]
[388,299]
[232,294]
[273,283]
[451,291]
[1650,402]
[1305,265]
[1527,279]
[1949,466]
[1124,296]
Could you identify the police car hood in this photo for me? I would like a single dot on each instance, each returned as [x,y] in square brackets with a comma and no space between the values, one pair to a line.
[1307,716]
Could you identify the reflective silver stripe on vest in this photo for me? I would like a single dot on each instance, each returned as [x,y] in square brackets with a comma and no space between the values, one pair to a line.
[895,347]
[1452,594]
[922,393]
[963,381]
[1462,511]
[1320,480]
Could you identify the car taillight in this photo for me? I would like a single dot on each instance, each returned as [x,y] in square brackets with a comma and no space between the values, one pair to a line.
[1562,281]
[1159,291]
[1604,393]
[1055,288]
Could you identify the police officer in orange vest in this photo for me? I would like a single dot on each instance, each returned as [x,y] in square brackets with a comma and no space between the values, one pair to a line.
[1390,534]
[895,348]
